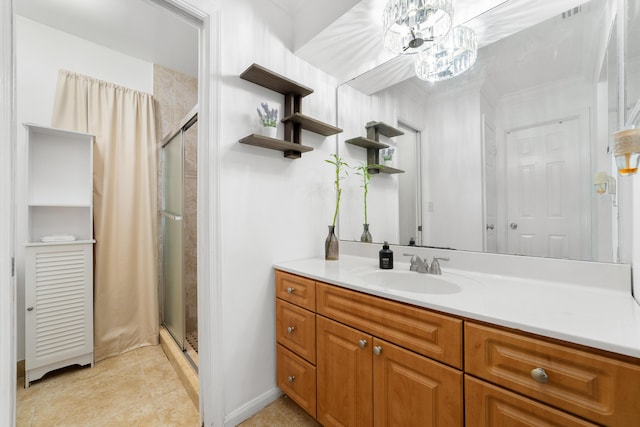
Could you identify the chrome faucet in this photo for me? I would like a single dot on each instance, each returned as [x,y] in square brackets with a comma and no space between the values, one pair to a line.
[435,265]
[418,264]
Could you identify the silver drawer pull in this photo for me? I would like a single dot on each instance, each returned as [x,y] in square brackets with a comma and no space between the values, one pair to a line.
[539,375]
[362,343]
[291,290]
[290,329]
[377,350]
[291,378]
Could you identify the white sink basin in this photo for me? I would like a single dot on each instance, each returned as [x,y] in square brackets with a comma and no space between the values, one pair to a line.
[417,283]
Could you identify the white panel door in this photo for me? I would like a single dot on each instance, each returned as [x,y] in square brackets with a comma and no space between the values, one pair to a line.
[543,191]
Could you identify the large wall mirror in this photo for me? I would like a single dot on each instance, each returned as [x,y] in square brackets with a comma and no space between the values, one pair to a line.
[500,159]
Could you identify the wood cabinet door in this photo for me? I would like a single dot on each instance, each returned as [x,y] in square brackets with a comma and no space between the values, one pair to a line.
[487,406]
[412,390]
[344,375]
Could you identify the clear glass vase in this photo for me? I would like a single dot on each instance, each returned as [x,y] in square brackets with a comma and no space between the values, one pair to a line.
[366,235]
[331,245]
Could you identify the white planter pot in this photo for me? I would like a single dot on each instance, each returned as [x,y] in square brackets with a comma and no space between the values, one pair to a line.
[269,131]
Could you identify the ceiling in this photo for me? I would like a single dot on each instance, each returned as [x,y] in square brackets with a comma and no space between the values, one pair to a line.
[138,28]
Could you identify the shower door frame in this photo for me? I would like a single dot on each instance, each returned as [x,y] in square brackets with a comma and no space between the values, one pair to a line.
[190,120]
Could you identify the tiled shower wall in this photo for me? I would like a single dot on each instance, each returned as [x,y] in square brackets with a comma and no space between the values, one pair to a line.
[175,96]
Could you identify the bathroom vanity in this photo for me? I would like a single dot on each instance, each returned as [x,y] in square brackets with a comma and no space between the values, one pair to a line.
[353,349]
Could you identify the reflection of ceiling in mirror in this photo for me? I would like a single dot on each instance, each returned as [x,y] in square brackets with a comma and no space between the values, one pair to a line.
[352,44]
[553,50]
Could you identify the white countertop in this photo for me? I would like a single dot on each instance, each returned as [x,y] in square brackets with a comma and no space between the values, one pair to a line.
[607,319]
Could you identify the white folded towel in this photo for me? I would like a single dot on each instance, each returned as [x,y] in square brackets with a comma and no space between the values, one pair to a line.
[59,238]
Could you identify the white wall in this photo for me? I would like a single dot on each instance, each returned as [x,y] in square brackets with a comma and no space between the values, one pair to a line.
[41,52]
[273,208]
[453,177]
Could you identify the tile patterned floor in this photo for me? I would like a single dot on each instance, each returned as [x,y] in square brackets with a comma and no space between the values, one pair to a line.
[139,388]
[281,413]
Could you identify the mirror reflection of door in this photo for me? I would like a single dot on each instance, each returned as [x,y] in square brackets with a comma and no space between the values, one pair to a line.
[544,190]
[408,155]
[490,187]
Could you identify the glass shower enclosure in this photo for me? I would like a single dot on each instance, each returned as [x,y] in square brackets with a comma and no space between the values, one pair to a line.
[178,221]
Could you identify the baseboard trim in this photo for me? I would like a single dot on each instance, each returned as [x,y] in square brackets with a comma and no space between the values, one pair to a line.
[252,407]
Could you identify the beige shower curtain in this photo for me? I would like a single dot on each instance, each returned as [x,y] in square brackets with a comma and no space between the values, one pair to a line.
[124,200]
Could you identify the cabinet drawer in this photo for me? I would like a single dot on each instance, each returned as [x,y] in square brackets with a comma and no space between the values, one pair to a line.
[488,405]
[297,378]
[430,334]
[295,289]
[296,329]
[595,387]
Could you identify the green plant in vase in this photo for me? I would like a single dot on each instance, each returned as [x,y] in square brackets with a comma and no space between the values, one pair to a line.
[363,171]
[341,172]
[268,119]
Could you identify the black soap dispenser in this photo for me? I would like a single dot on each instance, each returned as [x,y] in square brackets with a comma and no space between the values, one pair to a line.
[386,257]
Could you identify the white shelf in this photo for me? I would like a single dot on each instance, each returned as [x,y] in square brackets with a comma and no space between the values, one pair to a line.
[58,275]
[60,189]
[48,220]
[60,167]
[71,242]
[58,205]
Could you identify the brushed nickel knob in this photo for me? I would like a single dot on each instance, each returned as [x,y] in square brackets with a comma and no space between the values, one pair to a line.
[290,329]
[377,350]
[291,378]
[539,375]
[29,308]
[513,225]
[362,343]
[291,290]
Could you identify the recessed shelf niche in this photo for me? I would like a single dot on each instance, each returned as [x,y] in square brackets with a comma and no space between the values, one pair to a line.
[294,121]
[373,145]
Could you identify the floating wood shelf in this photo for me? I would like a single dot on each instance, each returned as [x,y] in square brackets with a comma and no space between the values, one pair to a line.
[294,121]
[384,129]
[266,78]
[384,169]
[361,141]
[373,145]
[290,149]
[312,125]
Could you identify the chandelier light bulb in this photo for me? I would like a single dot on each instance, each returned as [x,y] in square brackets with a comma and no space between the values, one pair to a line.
[411,25]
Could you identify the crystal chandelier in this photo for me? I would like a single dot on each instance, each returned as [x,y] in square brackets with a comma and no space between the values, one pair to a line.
[449,57]
[411,25]
[424,27]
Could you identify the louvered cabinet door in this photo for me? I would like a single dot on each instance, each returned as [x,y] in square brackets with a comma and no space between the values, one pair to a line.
[59,308]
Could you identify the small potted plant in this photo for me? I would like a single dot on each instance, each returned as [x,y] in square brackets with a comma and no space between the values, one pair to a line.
[331,242]
[363,171]
[268,119]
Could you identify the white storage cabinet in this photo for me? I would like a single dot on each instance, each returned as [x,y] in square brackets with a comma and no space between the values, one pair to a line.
[59,251]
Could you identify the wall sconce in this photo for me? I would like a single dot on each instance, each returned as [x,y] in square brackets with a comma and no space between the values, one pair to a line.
[626,149]
[603,183]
